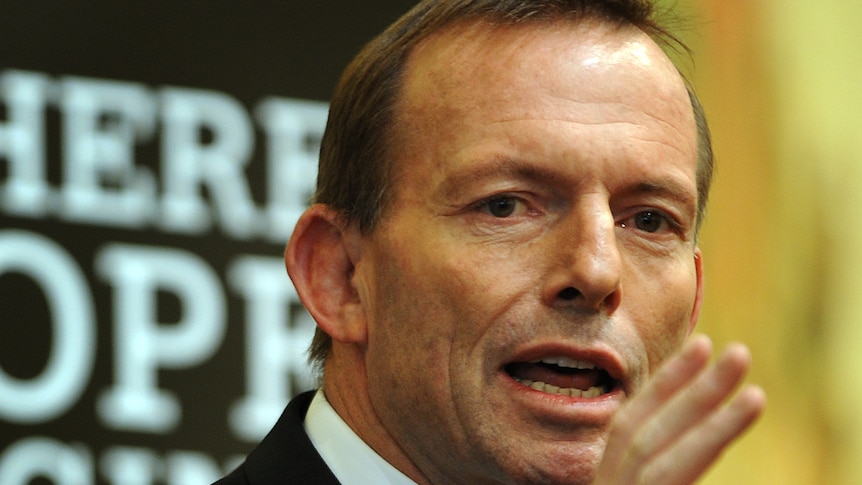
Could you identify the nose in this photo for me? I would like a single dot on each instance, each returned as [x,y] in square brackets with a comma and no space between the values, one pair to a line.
[585,267]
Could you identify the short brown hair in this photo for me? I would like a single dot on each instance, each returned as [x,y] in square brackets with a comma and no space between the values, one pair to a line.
[355,166]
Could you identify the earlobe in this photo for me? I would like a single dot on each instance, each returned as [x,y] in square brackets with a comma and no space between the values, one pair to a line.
[320,259]
[698,297]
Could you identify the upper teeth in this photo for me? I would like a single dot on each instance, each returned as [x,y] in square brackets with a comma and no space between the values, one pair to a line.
[562,361]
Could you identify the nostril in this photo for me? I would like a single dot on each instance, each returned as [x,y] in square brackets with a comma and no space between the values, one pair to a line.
[568,294]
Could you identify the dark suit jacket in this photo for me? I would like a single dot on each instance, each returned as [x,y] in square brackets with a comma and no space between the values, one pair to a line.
[286,455]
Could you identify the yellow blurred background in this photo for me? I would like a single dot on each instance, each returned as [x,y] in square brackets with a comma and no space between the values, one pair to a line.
[781,81]
[782,239]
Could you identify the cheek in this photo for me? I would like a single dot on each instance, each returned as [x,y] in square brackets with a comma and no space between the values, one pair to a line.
[407,304]
[415,326]
[404,334]
[443,273]
[664,327]
[439,298]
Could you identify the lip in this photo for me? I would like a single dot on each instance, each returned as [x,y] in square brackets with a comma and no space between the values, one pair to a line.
[568,409]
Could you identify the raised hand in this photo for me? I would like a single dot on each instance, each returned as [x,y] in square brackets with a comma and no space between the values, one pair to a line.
[682,420]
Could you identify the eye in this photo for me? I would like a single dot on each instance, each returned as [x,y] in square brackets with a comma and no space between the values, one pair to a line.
[649,221]
[502,206]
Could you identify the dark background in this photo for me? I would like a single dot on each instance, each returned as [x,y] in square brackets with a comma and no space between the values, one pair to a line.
[248,50]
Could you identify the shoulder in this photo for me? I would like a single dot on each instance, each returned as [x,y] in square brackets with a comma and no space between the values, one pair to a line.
[285,455]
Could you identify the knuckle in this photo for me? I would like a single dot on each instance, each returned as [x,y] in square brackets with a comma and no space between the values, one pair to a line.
[641,449]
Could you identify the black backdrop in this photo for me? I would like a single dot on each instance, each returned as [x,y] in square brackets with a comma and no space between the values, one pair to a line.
[152,157]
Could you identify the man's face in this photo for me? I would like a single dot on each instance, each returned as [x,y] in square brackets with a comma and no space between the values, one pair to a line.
[537,262]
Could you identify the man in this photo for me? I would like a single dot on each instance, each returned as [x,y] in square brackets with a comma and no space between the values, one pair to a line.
[502,255]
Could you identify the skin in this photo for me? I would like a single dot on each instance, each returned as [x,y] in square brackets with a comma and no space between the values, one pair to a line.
[545,206]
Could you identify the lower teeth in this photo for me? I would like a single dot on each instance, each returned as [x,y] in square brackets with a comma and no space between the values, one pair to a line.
[562,391]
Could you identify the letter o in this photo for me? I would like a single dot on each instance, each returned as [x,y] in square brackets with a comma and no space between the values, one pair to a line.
[73,349]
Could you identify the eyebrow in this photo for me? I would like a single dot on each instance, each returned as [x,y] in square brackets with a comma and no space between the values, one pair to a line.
[505,167]
[497,167]
[667,188]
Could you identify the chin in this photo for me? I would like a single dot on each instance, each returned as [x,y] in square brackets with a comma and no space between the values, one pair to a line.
[576,466]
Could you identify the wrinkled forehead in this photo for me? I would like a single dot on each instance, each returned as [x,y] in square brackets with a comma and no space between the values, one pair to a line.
[585,45]
[463,69]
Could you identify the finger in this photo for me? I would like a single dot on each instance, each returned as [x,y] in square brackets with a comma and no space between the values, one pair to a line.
[693,404]
[672,377]
[690,457]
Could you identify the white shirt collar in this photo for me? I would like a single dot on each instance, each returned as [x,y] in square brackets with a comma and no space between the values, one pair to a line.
[351,460]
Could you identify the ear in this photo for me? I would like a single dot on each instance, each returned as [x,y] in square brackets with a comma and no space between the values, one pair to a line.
[320,259]
[698,297]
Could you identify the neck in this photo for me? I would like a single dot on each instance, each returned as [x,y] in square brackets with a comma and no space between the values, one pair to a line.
[345,384]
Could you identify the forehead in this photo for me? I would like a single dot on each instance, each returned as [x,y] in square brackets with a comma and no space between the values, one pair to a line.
[586,87]
[471,60]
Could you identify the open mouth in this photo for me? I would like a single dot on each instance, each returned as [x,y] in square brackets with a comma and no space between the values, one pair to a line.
[563,376]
